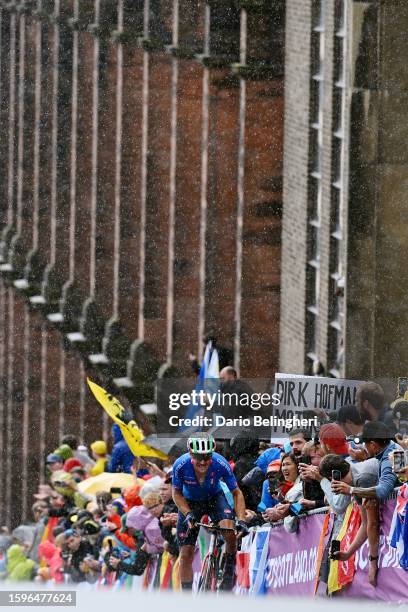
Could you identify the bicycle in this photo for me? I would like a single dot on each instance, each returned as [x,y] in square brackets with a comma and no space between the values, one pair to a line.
[212,569]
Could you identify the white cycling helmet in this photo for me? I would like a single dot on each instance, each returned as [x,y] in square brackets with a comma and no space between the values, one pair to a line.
[201,444]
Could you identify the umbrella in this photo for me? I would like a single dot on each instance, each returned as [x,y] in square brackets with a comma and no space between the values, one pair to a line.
[107,480]
[130,430]
[168,446]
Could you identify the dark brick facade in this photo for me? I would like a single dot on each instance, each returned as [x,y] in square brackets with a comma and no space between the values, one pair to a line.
[140,206]
[359,317]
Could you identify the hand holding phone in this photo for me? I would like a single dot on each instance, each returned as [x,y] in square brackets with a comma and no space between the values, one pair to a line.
[334,548]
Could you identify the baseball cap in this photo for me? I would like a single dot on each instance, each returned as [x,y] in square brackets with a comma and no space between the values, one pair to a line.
[71,463]
[274,466]
[376,430]
[333,435]
[52,458]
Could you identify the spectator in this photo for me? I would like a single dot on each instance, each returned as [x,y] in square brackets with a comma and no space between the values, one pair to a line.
[78,474]
[71,463]
[349,419]
[58,505]
[271,486]
[333,440]
[55,463]
[244,450]
[141,523]
[168,517]
[378,443]
[370,404]
[363,474]
[290,491]
[50,554]
[99,454]
[82,454]
[64,451]
[377,439]
[153,504]
[353,476]
[65,484]
[19,568]
[400,419]
[132,498]
[71,441]
[122,456]
[79,557]
[313,496]
[225,355]
[40,513]
[297,440]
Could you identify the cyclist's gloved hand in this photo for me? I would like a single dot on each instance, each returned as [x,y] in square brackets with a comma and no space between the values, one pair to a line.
[191,520]
[241,528]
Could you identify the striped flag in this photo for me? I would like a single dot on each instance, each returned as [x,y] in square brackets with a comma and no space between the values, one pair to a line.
[399,527]
[208,380]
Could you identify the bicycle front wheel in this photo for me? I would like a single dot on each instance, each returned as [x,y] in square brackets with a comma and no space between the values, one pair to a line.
[207,581]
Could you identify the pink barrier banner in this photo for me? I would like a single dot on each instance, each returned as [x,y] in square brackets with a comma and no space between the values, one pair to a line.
[291,564]
[289,567]
[392,583]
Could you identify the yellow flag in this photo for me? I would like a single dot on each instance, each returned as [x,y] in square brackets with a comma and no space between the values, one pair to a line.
[129,428]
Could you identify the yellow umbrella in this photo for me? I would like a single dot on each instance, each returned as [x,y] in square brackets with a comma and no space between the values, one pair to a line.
[130,430]
[106,480]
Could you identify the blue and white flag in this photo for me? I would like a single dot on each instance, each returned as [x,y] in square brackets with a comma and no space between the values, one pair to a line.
[257,564]
[208,380]
[399,527]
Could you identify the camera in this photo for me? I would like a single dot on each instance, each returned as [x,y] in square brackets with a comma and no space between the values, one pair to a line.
[305,459]
[274,485]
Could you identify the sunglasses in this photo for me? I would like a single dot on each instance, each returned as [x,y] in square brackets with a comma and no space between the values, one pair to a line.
[199,458]
[153,507]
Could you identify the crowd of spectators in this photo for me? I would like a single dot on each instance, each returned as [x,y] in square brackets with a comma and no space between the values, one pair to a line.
[117,531]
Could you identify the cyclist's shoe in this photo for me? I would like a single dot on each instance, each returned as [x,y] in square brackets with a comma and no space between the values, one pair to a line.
[227,582]
[186,586]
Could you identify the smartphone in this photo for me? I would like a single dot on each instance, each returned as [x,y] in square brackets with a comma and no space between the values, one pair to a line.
[398,461]
[305,459]
[336,475]
[334,547]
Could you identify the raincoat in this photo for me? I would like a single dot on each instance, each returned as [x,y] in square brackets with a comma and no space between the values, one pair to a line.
[18,566]
[122,457]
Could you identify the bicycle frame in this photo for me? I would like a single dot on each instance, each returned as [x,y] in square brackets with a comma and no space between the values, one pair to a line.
[211,571]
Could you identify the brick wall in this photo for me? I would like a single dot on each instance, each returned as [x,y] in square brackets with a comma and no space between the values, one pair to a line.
[141,188]
[295,186]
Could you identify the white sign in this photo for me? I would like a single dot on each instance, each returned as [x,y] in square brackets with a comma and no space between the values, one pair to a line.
[299,393]
[315,392]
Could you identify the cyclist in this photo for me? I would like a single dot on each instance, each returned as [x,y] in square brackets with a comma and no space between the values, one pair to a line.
[197,491]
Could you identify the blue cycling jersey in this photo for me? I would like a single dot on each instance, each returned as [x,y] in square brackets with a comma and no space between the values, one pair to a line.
[185,479]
